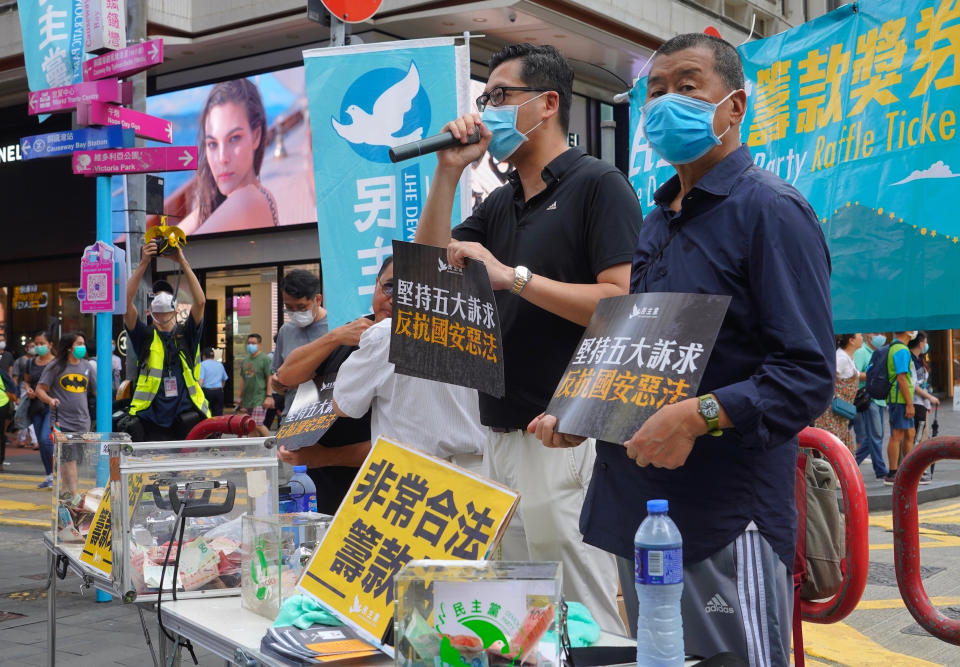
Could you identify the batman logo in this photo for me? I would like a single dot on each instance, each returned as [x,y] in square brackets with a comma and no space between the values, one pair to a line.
[74,382]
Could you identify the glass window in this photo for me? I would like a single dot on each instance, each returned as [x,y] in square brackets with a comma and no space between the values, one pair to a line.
[246,302]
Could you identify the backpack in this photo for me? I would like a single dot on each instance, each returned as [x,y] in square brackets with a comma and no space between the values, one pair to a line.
[878,383]
[818,561]
[821,531]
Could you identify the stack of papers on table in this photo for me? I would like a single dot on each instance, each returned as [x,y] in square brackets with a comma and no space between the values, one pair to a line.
[321,643]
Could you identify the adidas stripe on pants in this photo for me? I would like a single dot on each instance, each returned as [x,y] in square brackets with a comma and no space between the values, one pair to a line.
[740,599]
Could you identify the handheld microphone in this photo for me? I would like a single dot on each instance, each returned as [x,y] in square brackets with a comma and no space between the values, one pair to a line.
[437,142]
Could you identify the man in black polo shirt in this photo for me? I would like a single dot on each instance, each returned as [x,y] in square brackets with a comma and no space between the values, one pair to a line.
[555,240]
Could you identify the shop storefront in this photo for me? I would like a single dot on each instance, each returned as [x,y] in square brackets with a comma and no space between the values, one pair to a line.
[50,307]
[42,235]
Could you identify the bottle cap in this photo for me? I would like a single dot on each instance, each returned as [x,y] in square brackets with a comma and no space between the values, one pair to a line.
[657,506]
[299,469]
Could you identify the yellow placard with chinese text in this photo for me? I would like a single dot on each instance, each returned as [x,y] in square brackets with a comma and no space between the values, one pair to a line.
[97,550]
[403,505]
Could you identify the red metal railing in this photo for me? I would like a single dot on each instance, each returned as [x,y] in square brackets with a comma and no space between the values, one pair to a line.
[229,424]
[906,536]
[857,557]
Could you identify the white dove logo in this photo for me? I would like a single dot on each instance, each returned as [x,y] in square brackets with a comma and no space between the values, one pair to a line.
[379,112]
[443,266]
[635,313]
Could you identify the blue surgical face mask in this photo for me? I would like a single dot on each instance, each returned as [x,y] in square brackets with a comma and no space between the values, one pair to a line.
[502,122]
[878,341]
[80,351]
[680,128]
[41,350]
[926,348]
[251,348]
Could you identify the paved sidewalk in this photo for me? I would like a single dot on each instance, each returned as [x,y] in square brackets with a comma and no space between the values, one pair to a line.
[946,479]
[89,634]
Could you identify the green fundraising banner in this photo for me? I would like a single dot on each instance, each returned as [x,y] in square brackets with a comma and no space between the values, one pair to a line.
[858,110]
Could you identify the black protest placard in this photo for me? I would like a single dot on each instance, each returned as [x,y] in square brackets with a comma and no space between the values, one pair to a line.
[639,353]
[445,321]
[309,415]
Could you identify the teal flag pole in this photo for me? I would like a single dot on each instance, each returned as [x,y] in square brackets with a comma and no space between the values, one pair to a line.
[104,351]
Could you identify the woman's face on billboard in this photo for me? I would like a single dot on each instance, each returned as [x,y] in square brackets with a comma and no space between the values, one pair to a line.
[230,145]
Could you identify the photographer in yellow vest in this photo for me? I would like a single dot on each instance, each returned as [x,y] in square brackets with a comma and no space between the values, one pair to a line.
[167,400]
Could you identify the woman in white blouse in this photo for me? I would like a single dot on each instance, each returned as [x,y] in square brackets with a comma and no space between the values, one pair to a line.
[845,387]
[846,369]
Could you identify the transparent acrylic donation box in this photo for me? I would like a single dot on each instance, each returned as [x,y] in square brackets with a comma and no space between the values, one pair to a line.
[76,493]
[489,612]
[275,551]
[180,506]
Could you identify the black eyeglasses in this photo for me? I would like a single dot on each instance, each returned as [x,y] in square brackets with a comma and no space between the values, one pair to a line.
[386,287]
[497,95]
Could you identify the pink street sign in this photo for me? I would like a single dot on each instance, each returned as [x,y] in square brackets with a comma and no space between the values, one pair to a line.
[66,98]
[124,62]
[143,125]
[135,160]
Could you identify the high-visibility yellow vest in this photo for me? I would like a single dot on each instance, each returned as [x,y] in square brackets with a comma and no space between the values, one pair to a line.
[151,377]
[4,399]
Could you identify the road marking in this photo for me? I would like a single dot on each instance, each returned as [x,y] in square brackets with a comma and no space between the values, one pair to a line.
[841,644]
[24,478]
[25,486]
[24,522]
[20,506]
[897,603]
[930,538]
[939,540]
[948,514]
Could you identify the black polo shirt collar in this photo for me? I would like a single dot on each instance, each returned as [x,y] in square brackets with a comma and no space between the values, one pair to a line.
[718,181]
[551,174]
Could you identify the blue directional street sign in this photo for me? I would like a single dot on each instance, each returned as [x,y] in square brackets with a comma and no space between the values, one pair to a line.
[68,141]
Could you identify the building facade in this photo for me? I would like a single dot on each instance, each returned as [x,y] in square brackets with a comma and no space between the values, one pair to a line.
[208,41]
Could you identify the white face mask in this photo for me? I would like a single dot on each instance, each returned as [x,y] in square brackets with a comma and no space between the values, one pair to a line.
[3,345]
[302,319]
[913,334]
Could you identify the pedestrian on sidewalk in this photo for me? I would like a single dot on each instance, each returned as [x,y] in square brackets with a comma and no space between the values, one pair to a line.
[923,400]
[67,387]
[901,375]
[255,378]
[871,440]
[26,436]
[7,401]
[212,378]
[844,387]
[38,411]
[6,359]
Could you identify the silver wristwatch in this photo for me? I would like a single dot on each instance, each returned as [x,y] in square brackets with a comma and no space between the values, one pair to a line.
[521,276]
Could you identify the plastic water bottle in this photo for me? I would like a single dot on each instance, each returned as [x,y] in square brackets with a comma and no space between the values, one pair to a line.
[303,490]
[659,562]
